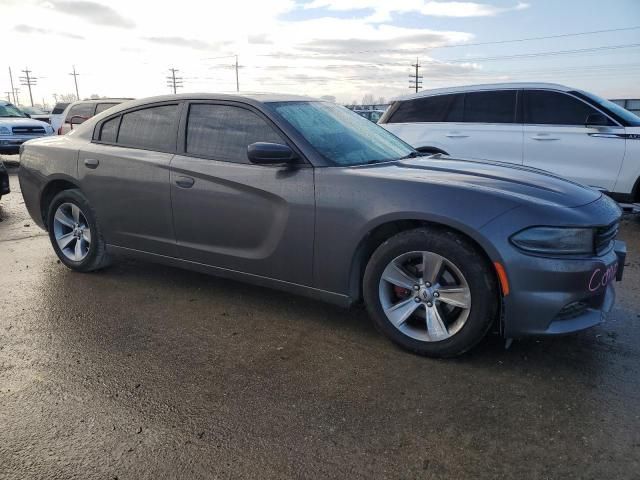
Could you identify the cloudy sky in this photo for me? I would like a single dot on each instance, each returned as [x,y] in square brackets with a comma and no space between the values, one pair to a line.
[344,48]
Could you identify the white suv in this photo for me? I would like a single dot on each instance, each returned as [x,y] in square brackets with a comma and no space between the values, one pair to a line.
[569,132]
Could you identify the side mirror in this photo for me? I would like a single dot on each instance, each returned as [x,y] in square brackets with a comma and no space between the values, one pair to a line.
[263,153]
[77,120]
[596,120]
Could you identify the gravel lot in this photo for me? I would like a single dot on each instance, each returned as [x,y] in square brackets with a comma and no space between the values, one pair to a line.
[145,371]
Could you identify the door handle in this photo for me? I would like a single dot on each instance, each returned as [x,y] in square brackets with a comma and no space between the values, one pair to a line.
[544,136]
[91,163]
[456,135]
[185,182]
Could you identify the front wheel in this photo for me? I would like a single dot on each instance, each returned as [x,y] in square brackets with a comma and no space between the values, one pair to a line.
[74,232]
[431,292]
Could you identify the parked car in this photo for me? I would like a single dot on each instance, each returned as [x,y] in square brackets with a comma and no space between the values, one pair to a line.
[373,115]
[78,112]
[4,180]
[57,115]
[16,128]
[36,113]
[569,132]
[309,197]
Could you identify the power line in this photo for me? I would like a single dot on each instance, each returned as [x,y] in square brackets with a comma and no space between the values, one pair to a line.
[75,80]
[456,45]
[174,82]
[29,81]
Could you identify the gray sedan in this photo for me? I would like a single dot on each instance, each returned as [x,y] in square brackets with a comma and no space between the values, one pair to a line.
[308,197]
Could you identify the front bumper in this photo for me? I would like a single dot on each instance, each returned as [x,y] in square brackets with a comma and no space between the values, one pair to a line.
[13,142]
[559,295]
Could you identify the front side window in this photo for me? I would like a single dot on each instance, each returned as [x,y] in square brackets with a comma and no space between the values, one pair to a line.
[151,128]
[544,107]
[84,110]
[490,107]
[224,132]
[341,136]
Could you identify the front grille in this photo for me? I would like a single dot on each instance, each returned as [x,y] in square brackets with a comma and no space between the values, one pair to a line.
[28,130]
[605,236]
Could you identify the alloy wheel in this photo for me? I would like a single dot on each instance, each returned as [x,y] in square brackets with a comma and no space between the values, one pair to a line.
[425,296]
[72,232]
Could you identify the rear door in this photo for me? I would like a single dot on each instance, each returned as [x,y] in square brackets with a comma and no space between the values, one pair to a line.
[489,129]
[125,174]
[556,139]
[232,214]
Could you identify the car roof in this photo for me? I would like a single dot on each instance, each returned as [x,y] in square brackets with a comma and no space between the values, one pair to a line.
[102,100]
[486,86]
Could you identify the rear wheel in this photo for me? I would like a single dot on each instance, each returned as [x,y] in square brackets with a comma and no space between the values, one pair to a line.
[431,292]
[74,232]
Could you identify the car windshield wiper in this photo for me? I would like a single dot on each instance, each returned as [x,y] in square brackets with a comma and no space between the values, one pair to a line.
[413,154]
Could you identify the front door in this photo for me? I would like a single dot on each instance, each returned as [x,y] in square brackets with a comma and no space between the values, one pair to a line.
[557,140]
[235,215]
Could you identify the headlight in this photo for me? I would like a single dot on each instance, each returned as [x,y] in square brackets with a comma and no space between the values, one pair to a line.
[5,131]
[555,240]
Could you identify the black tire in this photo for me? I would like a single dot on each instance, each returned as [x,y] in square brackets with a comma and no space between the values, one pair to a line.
[96,257]
[471,263]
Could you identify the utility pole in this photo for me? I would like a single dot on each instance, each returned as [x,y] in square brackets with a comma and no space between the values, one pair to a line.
[174,82]
[16,97]
[8,96]
[13,90]
[75,80]
[237,80]
[28,81]
[416,80]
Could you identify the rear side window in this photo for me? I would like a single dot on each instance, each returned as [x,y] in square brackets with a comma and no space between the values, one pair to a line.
[101,107]
[109,130]
[84,110]
[543,107]
[152,128]
[59,108]
[224,132]
[490,107]
[440,108]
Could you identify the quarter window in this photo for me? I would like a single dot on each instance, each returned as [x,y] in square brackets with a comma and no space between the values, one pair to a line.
[224,132]
[80,110]
[542,107]
[490,107]
[109,130]
[151,128]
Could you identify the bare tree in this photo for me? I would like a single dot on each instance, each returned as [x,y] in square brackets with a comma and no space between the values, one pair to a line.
[368,99]
[381,101]
[66,97]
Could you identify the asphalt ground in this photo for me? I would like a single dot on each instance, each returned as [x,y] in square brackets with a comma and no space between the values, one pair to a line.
[145,371]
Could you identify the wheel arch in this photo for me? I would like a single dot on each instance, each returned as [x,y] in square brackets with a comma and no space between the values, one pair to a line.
[377,235]
[50,190]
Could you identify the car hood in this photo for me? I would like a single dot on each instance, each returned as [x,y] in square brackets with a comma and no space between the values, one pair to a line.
[21,122]
[523,184]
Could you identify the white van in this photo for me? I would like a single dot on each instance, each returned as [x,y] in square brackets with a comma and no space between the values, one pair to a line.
[569,132]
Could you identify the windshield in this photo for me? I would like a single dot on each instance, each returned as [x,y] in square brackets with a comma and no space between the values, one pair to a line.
[8,110]
[341,136]
[625,115]
[33,110]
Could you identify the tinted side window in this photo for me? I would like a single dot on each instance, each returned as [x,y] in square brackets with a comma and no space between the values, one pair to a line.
[59,108]
[427,109]
[490,107]
[224,132]
[109,130]
[151,128]
[554,108]
[81,110]
[101,107]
